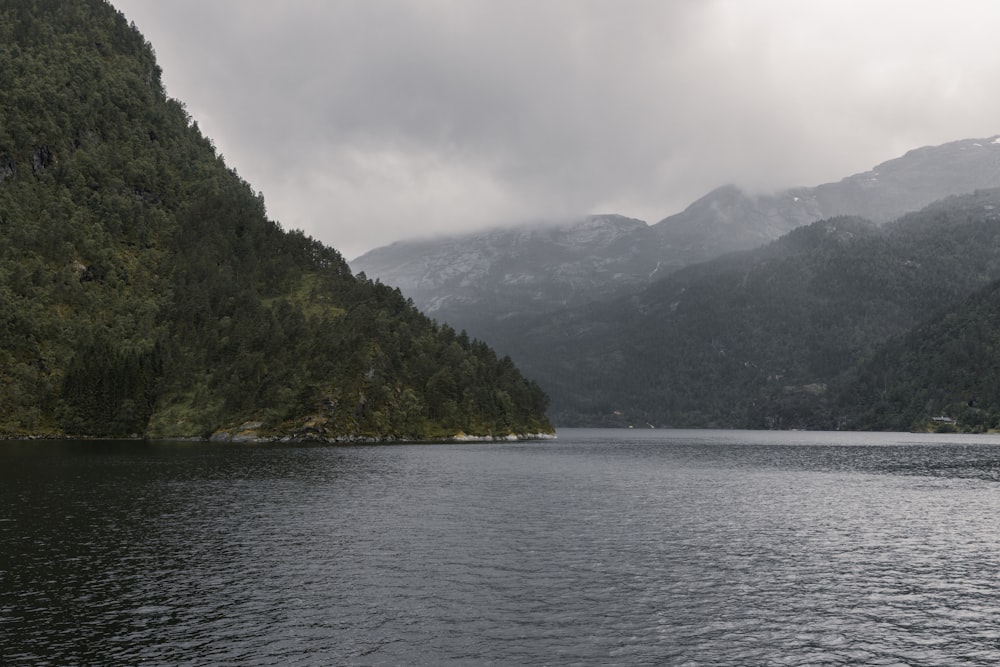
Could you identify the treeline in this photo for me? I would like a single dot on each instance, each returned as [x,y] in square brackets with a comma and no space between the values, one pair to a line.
[144,290]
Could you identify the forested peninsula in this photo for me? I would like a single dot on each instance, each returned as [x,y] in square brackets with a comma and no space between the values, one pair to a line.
[144,292]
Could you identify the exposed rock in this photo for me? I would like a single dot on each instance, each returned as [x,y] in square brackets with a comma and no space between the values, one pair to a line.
[7,167]
[41,159]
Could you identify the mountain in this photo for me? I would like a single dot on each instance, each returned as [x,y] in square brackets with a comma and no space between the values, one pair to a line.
[144,290]
[486,282]
[946,370]
[627,323]
[508,273]
[729,219]
[773,337]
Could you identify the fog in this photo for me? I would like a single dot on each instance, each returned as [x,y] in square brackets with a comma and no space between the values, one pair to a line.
[365,122]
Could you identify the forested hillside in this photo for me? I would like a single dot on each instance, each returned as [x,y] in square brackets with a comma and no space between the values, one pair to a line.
[143,289]
[771,338]
[500,283]
[945,374]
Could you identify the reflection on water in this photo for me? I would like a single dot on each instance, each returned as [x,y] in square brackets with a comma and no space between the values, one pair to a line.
[604,547]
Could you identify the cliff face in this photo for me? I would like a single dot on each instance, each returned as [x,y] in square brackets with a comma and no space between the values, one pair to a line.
[143,289]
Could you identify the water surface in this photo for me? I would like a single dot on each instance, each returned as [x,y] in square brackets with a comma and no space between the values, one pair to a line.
[603,547]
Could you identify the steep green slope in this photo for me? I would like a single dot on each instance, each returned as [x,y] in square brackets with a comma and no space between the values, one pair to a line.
[760,339]
[944,374]
[143,290]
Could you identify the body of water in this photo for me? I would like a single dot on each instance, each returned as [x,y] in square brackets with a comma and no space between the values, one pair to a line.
[601,547]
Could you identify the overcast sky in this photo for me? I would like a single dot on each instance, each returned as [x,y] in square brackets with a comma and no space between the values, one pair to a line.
[367,121]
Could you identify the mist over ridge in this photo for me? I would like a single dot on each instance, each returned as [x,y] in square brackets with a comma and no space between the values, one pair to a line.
[585,312]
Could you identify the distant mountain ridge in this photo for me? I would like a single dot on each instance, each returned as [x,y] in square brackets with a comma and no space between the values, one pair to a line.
[778,336]
[474,281]
[525,269]
[729,219]
[845,305]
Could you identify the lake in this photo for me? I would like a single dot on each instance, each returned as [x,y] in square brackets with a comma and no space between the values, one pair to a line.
[601,547]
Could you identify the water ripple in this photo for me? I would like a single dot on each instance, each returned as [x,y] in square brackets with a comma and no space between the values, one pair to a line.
[700,548]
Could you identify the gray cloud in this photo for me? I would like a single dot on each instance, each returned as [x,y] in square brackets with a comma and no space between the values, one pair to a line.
[366,121]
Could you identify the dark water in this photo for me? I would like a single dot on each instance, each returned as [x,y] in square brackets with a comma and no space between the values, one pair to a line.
[604,547]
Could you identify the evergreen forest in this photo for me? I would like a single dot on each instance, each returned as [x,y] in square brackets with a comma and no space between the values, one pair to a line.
[144,292]
[841,324]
